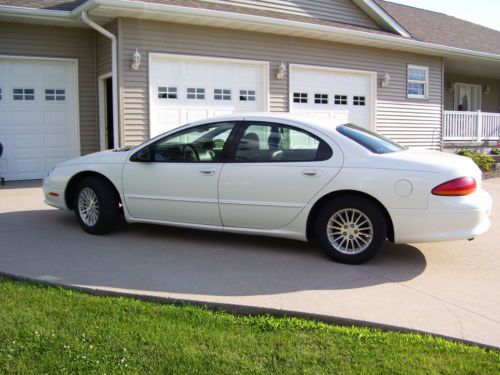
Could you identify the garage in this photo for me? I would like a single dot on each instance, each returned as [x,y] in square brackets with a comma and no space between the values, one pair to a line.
[38,115]
[339,94]
[183,89]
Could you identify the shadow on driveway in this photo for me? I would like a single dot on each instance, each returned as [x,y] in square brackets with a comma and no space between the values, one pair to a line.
[49,245]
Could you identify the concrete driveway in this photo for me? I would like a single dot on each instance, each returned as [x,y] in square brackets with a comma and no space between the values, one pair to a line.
[450,288]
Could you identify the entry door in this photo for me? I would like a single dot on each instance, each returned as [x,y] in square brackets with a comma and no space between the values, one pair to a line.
[175,178]
[276,170]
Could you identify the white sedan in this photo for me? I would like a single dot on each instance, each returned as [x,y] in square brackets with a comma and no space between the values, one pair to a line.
[279,175]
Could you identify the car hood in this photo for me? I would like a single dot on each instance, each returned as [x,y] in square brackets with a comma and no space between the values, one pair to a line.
[104,157]
[430,161]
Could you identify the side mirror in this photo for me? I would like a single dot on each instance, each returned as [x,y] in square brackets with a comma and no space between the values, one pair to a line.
[144,155]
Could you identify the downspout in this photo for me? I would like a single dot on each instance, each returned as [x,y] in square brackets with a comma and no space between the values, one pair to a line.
[114,71]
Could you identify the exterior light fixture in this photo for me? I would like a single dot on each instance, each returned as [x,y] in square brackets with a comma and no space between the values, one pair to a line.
[136,60]
[487,90]
[386,80]
[281,71]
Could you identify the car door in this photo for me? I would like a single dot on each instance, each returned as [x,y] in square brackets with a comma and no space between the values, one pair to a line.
[175,178]
[272,173]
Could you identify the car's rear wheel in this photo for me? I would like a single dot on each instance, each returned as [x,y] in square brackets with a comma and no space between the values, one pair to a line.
[96,205]
[351,229]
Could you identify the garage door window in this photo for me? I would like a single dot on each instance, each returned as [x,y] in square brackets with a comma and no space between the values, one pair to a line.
[23,94]
[300,97]
[222,94]
[55,94]
[167,92]
[247,95]
[321,98]
[279,143]
[341,99]
[358,100]
[196,93]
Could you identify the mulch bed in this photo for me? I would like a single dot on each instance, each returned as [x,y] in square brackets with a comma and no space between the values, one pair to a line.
[487,175]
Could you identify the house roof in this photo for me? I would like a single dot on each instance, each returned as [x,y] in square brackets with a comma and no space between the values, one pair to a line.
[439,28]
[423,25]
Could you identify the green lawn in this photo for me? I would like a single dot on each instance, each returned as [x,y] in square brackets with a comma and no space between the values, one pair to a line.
[48,330]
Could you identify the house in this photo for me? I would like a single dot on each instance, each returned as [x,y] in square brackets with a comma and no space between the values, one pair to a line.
[78,76]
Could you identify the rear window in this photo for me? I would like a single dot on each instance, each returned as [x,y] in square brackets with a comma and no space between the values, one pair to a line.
[370,140]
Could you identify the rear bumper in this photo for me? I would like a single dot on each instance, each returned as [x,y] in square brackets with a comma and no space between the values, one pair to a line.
[461,218]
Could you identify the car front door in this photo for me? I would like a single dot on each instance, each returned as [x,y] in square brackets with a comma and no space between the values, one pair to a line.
[175,178]
[273,172]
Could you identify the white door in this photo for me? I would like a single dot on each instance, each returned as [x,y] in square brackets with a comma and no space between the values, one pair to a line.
[275,172]
[175,178]
[38,116]
[343,96]
[183,89]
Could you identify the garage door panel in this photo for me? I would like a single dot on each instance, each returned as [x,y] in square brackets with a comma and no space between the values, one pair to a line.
[36,133]
[187,73]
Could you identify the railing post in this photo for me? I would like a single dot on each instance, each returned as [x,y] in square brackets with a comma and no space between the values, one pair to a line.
[479,126]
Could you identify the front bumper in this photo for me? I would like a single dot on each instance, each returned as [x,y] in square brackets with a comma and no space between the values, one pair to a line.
[53,197]
[447,219]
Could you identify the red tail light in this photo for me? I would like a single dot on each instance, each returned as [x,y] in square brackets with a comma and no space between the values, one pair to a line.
[459,186]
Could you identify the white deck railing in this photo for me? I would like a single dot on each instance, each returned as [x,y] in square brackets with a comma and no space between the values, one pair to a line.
[471,126]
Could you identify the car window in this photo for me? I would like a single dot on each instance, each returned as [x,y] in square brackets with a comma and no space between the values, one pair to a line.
[374,142]
[263,142]
[204,143]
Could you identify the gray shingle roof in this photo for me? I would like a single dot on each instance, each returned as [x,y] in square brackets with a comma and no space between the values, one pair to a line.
[422,24]
[439,28]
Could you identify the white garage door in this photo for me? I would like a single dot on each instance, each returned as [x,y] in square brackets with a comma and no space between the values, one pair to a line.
[38,118]
[343,96]
[184,89]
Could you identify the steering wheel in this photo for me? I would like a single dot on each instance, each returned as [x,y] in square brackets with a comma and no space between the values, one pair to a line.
[194,152]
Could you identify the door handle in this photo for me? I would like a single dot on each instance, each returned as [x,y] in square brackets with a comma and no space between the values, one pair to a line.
[207,171]
[310,172]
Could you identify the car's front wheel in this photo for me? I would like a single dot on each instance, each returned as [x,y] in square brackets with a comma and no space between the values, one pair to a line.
[351,229]
[96,205]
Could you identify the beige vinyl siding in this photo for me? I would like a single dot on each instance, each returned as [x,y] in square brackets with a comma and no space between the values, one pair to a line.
[103,50]
[489,103]
[344,11]
[416,125]
[49,41]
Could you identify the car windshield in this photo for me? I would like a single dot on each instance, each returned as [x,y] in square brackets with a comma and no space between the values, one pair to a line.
[372,141]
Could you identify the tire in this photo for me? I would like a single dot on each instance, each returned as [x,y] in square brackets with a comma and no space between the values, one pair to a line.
[93,190]
[364,235]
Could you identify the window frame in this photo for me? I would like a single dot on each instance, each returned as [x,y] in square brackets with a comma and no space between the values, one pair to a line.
[134,157]
[426,82]
[243,126]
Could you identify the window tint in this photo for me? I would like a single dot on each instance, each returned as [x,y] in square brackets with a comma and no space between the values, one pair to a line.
[370,140]
[203,144]
[264,142]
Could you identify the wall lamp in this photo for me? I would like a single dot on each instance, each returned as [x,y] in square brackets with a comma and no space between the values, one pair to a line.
[136,60]
[281,71]
[386,80]
[487,90]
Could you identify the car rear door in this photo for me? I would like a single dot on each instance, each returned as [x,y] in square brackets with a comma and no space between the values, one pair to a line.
[271,174]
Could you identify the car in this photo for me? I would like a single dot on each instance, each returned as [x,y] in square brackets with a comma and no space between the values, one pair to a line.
[303,178]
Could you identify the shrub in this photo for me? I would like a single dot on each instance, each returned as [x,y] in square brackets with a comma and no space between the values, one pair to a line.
[495,151]
[484,162]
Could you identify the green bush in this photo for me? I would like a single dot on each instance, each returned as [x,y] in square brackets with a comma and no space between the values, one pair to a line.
[484,162]
[495,151]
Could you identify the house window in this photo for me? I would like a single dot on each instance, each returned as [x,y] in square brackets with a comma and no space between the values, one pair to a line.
[55,94]
[418,82]
[167,92]
[300,97]
[467,97]
[321,98]
[247,95]
[358,100]
[222,94]
[340,99]
[23,94]
[196,93]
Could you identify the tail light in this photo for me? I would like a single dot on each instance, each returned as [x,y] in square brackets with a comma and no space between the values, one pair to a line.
[457,187]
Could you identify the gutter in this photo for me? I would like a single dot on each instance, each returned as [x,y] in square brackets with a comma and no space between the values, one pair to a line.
[114,71]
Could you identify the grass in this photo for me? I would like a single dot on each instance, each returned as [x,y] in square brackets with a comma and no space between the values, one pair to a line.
[49,330]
